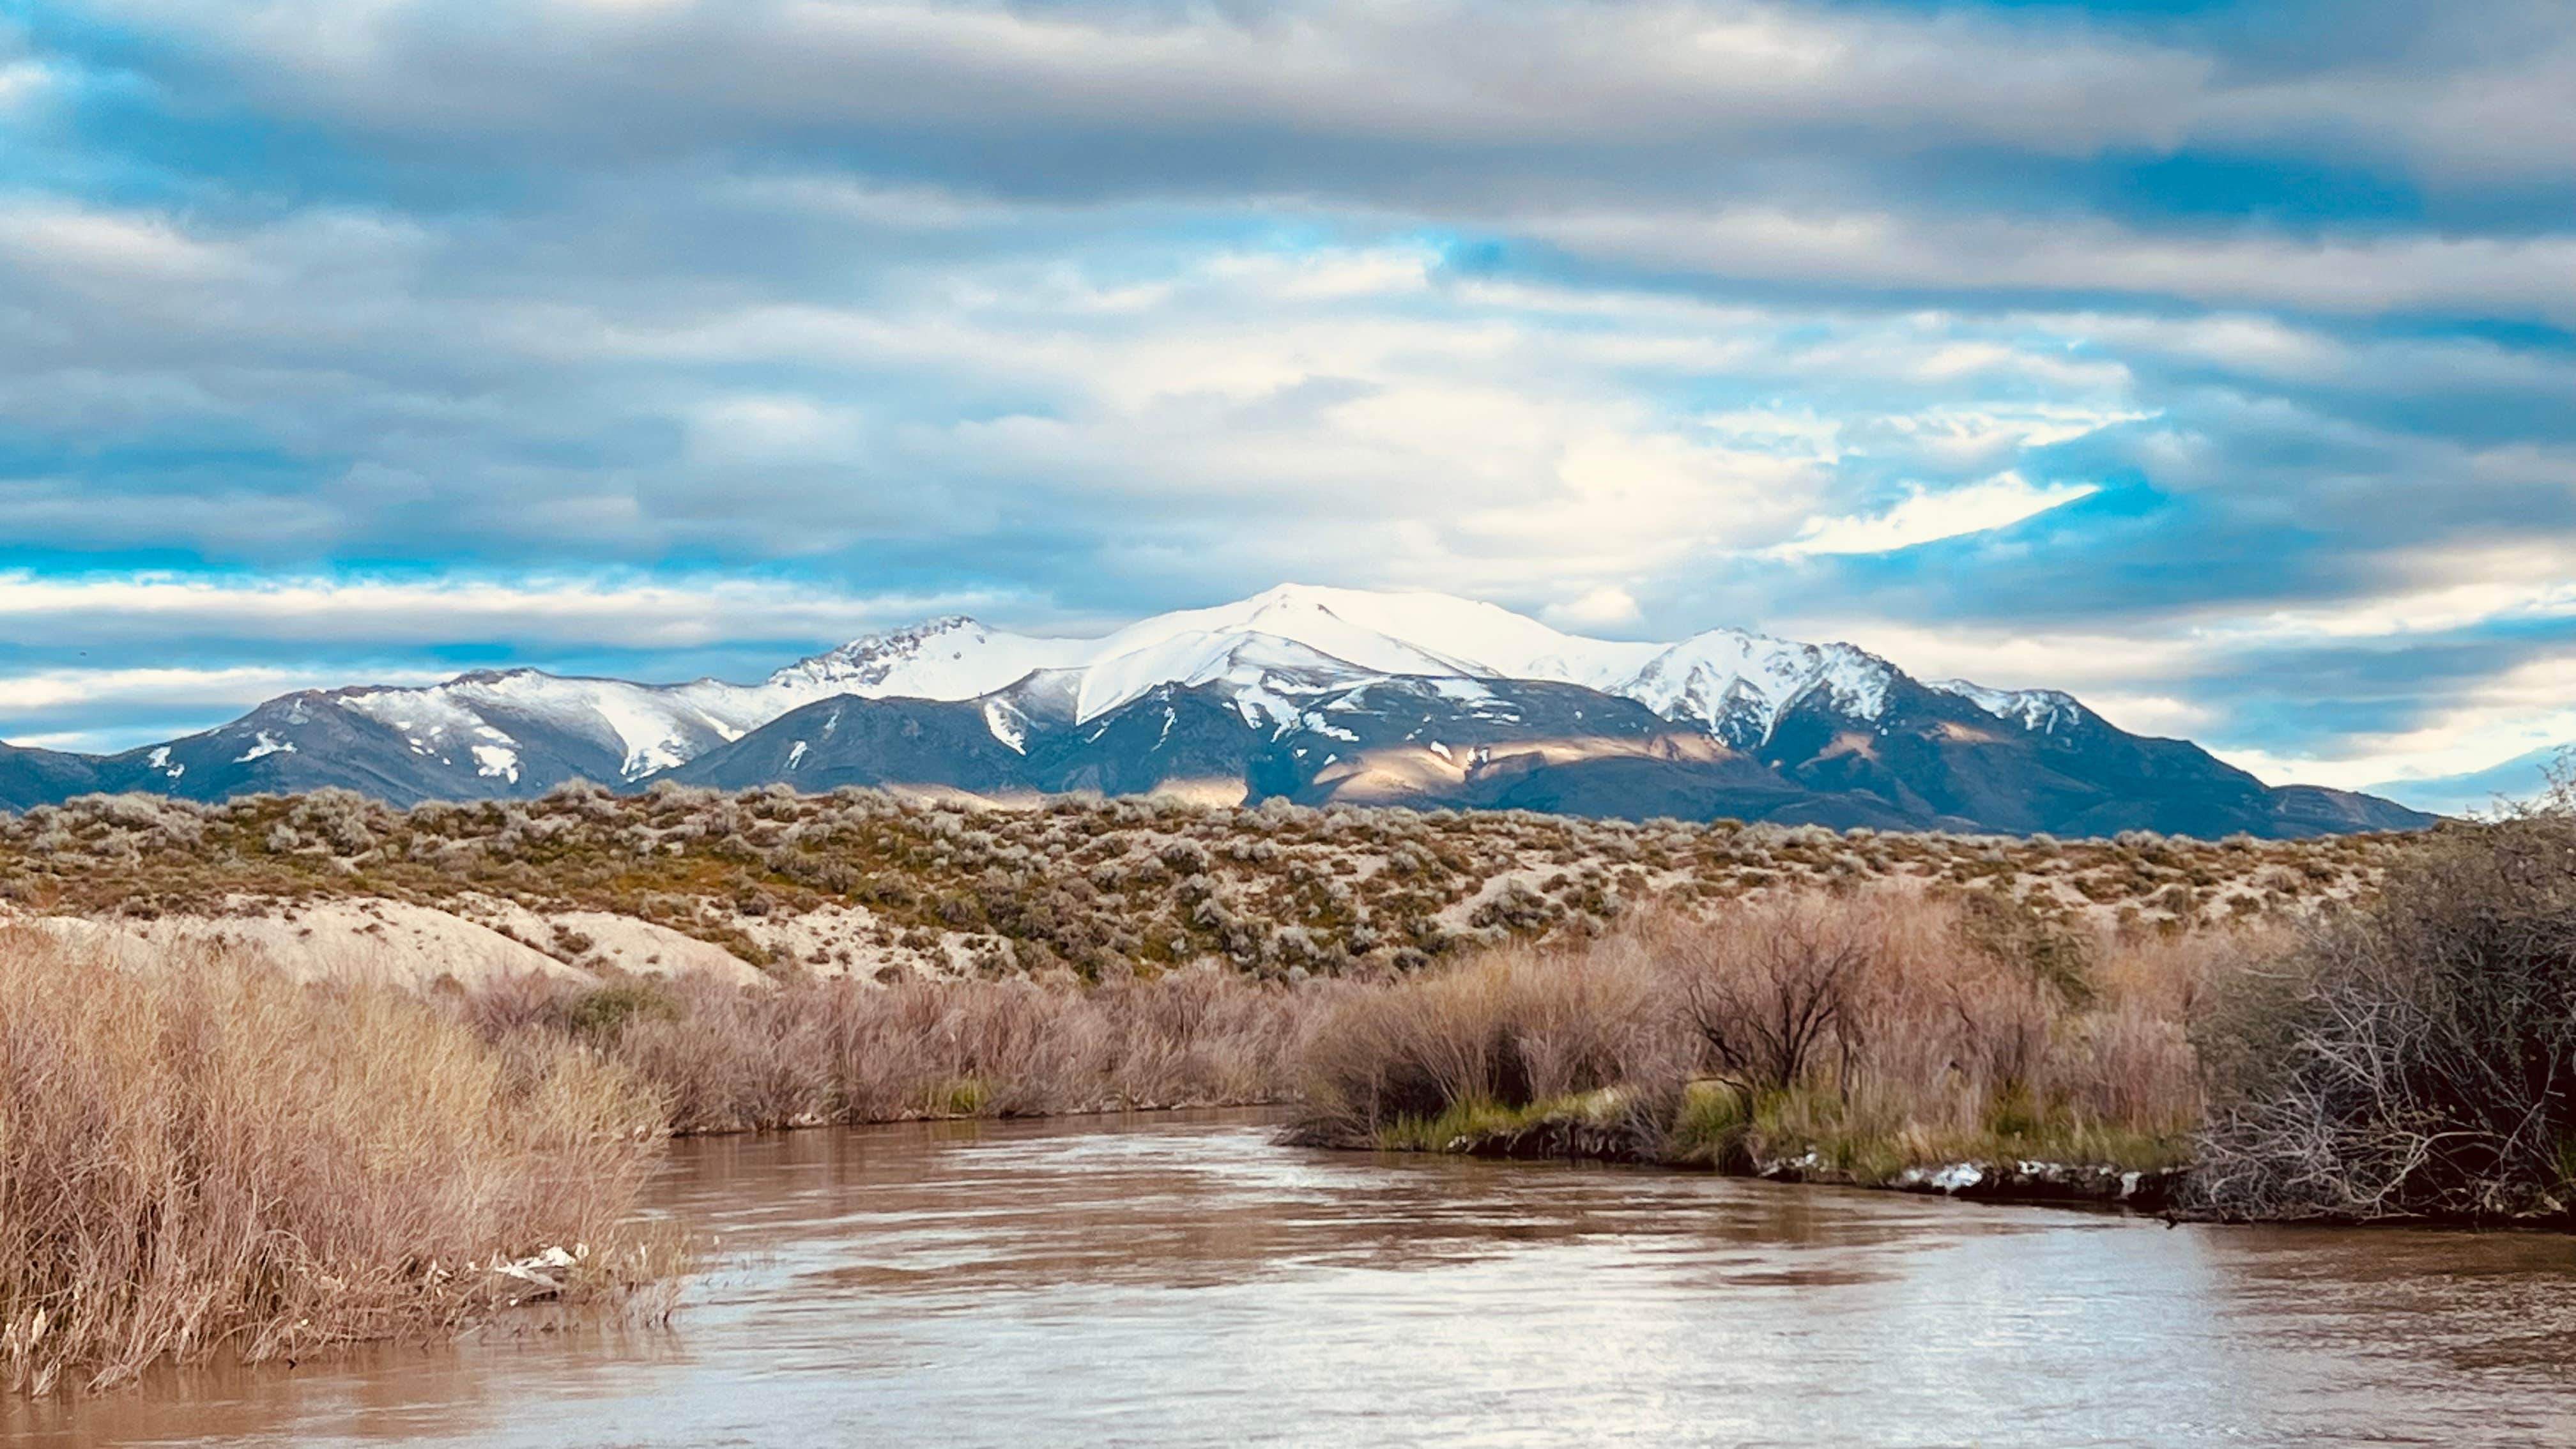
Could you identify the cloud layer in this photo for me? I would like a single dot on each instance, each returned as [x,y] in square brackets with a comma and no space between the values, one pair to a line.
[2214,361]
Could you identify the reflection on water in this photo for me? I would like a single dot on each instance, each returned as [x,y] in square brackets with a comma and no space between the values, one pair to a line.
[1178,1280]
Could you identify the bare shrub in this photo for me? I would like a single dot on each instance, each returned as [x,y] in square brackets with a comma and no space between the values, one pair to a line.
[2416,1055]
[1776,985]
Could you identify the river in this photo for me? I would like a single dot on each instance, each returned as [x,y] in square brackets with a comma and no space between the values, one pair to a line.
[1178,1279]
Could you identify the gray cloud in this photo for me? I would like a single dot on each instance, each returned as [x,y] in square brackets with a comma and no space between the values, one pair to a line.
[1092,309]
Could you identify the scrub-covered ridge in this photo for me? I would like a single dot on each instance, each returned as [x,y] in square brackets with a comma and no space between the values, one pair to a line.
[864,882]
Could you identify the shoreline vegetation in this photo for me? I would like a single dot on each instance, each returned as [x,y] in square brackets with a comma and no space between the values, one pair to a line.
[1882,1038]
[201,1155]
[207,1157]
[2408,1057]
[224,1148]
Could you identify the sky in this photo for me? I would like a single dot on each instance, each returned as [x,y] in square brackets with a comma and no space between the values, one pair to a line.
[2215,362]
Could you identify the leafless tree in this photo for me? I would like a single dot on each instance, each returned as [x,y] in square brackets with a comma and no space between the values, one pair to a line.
[1770,996]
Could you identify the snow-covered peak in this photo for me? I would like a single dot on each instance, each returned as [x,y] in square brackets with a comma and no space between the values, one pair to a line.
[2044,711]
[1739,685]
[1243,648]
[949,658]
[1478,639]
[648,727]
[1245,664]
[1351,634]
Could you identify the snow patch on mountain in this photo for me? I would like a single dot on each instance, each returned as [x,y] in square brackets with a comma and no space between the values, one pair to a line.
[1335,635]
[1008,725]
[648,727]
[1475,639]
[263,745]
[2042,711]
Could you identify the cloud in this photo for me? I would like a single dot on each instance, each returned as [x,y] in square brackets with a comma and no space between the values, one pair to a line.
[1328,86]
[626,613]
[2490,276]
[2517,711]
[1924,517]
[1607,607]
[109,662]
[2522,779]
[2216,364]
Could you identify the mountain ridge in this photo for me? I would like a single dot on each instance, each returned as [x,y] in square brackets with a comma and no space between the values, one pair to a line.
[1321,695]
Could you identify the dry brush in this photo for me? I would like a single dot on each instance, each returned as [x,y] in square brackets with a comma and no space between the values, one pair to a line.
[209,1158]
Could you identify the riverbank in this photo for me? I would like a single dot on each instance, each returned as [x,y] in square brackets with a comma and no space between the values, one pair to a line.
[1607,1126]
[204,1154]
[2398,1059]
[818,1051]
[1876,1038]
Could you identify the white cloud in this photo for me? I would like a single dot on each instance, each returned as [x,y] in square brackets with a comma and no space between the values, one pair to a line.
[22,83]
[631,614]
[1440,72]
[1927,517]
[93,245]
[242,686]
[1603,608]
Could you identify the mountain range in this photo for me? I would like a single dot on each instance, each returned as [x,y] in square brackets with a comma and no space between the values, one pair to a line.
[1313,694]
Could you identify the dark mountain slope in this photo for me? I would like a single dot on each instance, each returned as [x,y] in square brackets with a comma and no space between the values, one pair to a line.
[1931,760]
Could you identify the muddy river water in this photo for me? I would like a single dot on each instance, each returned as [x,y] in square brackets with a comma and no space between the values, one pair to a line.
[1180,1280]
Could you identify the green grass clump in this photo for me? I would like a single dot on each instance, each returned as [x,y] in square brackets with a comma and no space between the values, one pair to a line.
[1465,1123]
[1720,1125]
[601,1015]
[1709,1127]
[961,1097]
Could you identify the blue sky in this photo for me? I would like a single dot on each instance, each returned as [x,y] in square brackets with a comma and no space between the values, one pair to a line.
[2213,361]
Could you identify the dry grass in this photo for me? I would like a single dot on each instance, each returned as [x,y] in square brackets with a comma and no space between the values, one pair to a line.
[209,1158]
[727,1059]
[1513,1027]
[1860,1035]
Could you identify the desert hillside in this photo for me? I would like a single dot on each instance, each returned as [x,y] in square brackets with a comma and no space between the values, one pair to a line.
[767,883]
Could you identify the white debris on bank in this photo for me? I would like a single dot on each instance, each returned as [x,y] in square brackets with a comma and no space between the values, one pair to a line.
[2038,1180]
[1955,1177]
[541,1272]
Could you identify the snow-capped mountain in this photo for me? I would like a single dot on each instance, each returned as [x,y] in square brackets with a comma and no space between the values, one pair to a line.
[1726,679]
[1314,693]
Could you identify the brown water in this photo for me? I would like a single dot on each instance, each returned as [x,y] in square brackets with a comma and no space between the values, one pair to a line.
[1179,1280]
